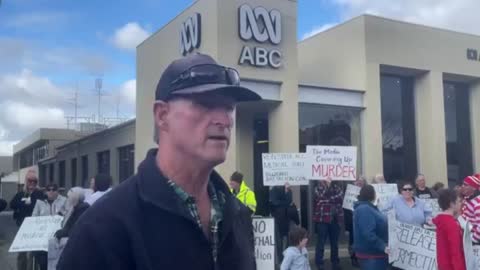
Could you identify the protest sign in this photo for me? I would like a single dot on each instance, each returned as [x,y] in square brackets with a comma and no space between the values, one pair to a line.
[384,192]
[264,237]
[413,248]
[476,255]
[337,162]
[281,168]
[350,196]
[432,204]
[35,232]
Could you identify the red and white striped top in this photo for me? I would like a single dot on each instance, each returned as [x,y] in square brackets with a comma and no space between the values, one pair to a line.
[471,212]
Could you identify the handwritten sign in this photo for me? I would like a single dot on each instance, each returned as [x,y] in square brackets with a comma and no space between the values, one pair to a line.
[476,255]
[264,237]
[351,195]
[413,248]
[337,162]
[35,232]
[432,204]
[280,168]
[384,193]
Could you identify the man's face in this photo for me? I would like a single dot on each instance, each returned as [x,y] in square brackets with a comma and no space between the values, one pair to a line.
[52,193]
[420,182]
[234,185]
[467,190]
[197,126]
[32,182]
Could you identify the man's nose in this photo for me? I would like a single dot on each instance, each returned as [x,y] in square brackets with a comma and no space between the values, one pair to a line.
[223,117]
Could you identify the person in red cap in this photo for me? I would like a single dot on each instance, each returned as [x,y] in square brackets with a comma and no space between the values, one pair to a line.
[471,205]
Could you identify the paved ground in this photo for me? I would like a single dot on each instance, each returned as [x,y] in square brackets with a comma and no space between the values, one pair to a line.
[8,230]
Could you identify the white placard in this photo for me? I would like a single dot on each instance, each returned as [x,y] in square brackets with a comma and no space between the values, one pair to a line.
[281,168]
[351,195]
[412,247]
[476,255]
[384,193]
[264,235]
[35,232]
[432,204]
[337,162]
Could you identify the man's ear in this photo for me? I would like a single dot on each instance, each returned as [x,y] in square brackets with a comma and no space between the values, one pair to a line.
[160,112]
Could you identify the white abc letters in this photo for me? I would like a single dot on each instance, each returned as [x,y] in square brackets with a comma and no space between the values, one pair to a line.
[262,26]
[190,34]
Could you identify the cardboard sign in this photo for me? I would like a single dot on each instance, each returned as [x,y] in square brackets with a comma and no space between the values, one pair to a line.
[412,247]
[351,195]
[432,204]
[281,168]
[264,236]
[35,232]
[384,193]
[337,162]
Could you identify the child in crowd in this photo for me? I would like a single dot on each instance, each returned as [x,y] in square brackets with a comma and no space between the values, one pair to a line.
[295,257]
[450,252]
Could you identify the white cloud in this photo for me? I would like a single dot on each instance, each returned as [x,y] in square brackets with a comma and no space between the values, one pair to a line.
[317,30]
[33,117]
[459,15]
[129,36]
[129,91]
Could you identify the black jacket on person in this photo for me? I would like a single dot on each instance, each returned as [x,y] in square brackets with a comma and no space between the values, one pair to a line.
[78,210]
[143,224]
[21,210]
[280,201]
[3,204]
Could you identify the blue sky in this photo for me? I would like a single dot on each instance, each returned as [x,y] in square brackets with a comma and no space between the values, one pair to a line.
[50,48]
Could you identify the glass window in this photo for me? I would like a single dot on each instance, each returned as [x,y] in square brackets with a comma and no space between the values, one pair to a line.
[61,174]
[457,131]
[74,172]
[126,162]
[103,162]
[398,128]
[51,173]
[85,175]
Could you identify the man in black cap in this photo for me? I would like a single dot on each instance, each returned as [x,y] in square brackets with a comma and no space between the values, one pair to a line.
[176,212]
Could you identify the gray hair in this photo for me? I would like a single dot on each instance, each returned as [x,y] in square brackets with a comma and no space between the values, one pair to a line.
[77,193]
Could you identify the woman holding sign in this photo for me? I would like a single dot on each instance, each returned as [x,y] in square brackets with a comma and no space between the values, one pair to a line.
[371,232]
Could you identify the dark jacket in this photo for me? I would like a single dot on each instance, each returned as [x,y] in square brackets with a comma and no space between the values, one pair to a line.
[370,230]
[21,210]
[3,204]
[143,224]
[279,204]
[78,210]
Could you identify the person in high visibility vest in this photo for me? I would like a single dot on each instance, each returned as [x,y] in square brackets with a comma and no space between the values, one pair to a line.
[240,189]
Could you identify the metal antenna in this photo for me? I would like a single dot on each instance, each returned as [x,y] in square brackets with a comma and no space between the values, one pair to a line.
[98,90]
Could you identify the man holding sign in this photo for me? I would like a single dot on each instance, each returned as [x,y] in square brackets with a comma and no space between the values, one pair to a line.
[327,217]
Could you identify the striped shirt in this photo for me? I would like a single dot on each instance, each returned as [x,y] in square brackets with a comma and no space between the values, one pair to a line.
[471,212]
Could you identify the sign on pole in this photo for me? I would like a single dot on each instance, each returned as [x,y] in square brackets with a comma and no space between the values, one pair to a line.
[384,193]
[35,232]
[351,195]
[412,247]
[337,162]
[264,235]
[281,168]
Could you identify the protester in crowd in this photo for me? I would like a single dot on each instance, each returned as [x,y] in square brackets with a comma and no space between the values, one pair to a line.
[360,182]
[371,232]
[243,193]
[75,198]
[295,257]
[421,190]
[328,215]
[379,179]
[450,254]
[101,184]
[409,209]
[53,204]
[436,188]
[280,199]
[176,212]
[471,205]
[22,205]
[3,204]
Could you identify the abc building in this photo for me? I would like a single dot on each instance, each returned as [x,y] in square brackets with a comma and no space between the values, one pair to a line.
[408,96]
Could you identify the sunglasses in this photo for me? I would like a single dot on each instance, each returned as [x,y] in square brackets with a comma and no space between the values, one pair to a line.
[32,180]
[407,189]
[206,74]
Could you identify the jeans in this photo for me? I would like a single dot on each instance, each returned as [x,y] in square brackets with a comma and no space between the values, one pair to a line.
[332,230]
[374,264]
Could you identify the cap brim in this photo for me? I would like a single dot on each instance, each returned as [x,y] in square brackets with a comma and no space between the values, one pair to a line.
[239,93]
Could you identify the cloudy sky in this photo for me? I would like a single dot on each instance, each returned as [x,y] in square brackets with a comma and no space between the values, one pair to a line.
[49,49]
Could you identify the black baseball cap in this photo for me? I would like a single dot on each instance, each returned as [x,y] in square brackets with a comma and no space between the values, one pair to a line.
[199,73]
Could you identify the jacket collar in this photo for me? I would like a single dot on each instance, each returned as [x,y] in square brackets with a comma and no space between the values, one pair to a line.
[153,188]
